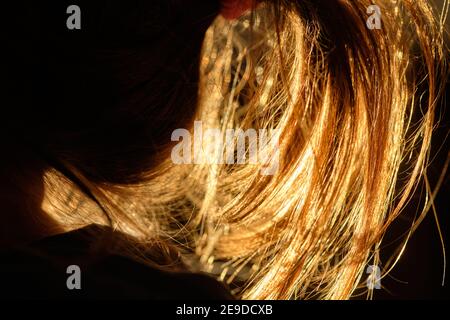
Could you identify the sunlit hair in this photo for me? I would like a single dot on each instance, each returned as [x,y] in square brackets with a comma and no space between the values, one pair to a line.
[352,104]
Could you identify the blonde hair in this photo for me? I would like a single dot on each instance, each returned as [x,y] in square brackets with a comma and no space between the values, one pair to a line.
[348,103]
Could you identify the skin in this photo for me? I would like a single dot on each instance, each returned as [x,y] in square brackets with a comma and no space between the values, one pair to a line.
[21,167]
[21,185]
[233,9]
[21,194]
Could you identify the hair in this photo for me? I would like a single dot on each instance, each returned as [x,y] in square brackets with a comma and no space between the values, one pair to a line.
[354,109]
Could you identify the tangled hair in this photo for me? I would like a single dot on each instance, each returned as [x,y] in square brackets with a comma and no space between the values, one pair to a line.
[355,111]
